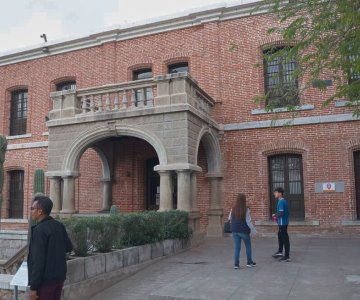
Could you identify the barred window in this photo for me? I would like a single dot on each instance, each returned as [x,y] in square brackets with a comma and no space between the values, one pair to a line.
[144,94]
[281,85]
[18,115]
[66,85]
[178,67]
[353,76]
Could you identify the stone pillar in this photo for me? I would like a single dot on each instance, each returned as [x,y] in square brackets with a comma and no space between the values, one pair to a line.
[194,217]
[107,200]
[166,201]
[215,213]
[55,193]
[184,190]
[68,206]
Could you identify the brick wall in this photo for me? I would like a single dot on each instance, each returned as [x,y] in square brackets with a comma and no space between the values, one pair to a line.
[222,57]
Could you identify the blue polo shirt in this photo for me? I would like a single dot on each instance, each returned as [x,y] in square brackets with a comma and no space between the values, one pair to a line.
[282,206]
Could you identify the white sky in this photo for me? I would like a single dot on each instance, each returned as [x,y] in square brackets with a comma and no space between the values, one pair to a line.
[23,21]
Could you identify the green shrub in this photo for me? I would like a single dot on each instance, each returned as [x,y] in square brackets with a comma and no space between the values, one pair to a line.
[125,230]
[77,229]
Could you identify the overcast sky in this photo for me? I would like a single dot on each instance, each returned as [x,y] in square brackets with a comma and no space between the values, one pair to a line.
[23,21]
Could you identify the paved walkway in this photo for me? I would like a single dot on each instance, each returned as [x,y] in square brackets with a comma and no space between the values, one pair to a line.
[324,268]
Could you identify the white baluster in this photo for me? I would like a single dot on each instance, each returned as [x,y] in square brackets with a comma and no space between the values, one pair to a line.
[100,103]
[124,100]
[133,98]
[107,102]
[92,104]
[116,102]
[84,105]
[150,97]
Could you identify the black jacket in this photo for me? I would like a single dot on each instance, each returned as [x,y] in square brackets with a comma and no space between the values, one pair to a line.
[47,253]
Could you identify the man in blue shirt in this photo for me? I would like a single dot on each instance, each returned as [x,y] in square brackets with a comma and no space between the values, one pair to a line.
[282,215]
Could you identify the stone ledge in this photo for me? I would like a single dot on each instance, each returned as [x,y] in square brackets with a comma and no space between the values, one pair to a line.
[261,111]
[294,223]
[351,223]
[21,136]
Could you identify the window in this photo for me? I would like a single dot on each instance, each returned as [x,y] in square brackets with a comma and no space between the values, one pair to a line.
[142,74]
[286,171]
[357,182]
[143,94]
[66,85]
[353,76]
[18,115]
[179,67]
[16,204]
[281,85]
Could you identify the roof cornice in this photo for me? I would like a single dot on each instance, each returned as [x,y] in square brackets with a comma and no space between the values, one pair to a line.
[215,13]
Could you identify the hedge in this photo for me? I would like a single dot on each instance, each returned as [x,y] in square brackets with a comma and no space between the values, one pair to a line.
[104,233]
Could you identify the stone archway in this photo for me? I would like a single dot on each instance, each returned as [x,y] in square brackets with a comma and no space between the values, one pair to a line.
[208,138]
[70,165]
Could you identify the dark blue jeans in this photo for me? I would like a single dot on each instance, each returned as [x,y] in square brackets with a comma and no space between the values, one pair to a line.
[237,236]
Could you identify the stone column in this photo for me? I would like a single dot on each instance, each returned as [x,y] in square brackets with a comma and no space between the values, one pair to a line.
[166,201]
[68,206]
[106,194]
[55,193]
[184,193]
[194,217]
[215,213]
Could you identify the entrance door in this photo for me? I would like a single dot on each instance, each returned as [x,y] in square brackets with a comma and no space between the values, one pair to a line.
[357,182]
[152,185]
[286,172]
[16,202]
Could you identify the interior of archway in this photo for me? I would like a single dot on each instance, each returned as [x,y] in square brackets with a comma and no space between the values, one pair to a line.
[134,184]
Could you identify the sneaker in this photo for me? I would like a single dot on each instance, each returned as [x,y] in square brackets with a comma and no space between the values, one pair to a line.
[252,264]
[236,267]
[277,255]
[284,259]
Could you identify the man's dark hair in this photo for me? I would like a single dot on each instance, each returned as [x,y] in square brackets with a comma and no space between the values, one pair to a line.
[280,190]
[44,203]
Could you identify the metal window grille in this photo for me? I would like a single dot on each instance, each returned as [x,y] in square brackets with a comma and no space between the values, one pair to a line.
[66,85]
[143,94]
[179,67]
[16,201]
[281,85]
[286,171]
[353,76]
[357,182]
[18,115]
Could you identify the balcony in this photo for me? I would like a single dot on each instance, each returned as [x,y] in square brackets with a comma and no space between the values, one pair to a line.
[161,94]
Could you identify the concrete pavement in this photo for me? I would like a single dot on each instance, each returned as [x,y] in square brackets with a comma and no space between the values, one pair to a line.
[322,268]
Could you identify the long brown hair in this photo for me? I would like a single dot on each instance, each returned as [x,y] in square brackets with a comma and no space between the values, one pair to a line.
[239,208]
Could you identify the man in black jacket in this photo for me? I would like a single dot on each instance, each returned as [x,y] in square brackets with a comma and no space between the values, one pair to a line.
[47,252]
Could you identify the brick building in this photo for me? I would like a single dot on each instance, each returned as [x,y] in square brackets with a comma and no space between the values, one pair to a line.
[161,116]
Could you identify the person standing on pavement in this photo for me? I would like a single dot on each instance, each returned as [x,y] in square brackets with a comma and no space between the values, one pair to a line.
[282,216]
[240,219]
[48,246]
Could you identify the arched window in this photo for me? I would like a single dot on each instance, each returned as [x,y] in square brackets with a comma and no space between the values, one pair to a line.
[357,182]
[286,171]
[178,67]
[18,114]
[281,85]
[66,85]
[16,194]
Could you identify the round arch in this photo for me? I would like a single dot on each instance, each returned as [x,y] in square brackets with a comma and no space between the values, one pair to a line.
[212,150]
[91,136]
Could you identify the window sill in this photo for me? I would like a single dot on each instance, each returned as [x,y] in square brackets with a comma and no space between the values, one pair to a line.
[261,111]
[22,221]
[292,223]
[351,223]
[15,137]
[344,103]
